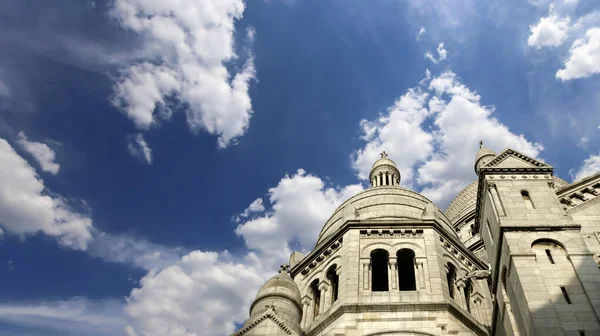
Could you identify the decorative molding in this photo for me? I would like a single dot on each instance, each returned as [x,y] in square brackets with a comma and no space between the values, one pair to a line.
[390,233]
[320,258]
[457,253]
[269,313]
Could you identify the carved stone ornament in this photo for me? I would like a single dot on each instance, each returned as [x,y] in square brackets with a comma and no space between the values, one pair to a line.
[479,274]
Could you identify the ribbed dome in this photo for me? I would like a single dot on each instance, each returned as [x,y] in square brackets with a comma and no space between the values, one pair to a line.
[383,203]
[483,151]
[280,291]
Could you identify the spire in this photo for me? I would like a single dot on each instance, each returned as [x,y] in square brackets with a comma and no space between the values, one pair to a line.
[384,172]
[484,155]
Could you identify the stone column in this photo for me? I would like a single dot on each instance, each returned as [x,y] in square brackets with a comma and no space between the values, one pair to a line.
[460,293]
[420,273]
[378,179]
[325,297]
[306,311]
[392,274]
[366,270]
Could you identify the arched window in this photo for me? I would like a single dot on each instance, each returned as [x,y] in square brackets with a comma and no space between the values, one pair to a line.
[468,291]
[334,280]
[451,277]
[316,296]
[406,270]
[379,270]
[527,199]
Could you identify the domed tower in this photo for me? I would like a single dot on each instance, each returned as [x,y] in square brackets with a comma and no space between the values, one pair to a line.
[484,155]
[388,261]
[384,172]
[277,308]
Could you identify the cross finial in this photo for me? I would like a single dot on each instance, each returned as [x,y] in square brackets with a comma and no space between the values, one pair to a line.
[480,144]
[285,268]
[383,154]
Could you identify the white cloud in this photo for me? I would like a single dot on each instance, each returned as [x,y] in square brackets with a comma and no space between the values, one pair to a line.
[590,166]
[550,31]
[188,45]
[78,316]
[43,154]
[26,208]
[255,206]
[202,294]
[400,133]
[138,148]
[133,251]
[421,33]
[441,157]
[584,57]
[442,54]
[205,293]
[300,204]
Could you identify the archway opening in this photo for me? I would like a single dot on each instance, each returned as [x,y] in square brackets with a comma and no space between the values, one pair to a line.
[379,270]
[406,270]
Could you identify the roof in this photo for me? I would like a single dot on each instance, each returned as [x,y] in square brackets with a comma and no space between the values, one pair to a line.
[382,203]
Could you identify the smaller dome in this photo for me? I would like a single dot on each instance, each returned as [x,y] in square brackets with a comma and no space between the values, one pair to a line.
[484,155]
[384,161]
[282,292]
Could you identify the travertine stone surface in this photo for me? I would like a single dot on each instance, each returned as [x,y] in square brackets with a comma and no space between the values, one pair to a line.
[516,253]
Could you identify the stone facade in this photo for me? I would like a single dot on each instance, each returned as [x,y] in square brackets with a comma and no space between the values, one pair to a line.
[516,253]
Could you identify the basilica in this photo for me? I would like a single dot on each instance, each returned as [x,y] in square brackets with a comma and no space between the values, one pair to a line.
[515,253]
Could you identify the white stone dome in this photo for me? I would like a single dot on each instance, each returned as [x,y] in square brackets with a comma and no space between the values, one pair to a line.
[281,292]
[383,203]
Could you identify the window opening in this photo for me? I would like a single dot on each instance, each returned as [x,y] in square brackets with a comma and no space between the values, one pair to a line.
[527,199]
[316,297]
[549,255]
[565,294]
[379,270]
[451,276]
[581,333]
[406,270]
[334,280]
[468,290]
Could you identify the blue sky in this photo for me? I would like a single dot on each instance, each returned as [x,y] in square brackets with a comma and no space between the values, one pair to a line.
[159,160]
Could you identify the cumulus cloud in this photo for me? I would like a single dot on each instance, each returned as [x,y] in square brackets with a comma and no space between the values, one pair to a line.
[26,208]
[255,206]
[590,166]
[139,148]
[437,160]
[78,316]
[421,33]
[188,45]
[550,31]
[299,206]
[584,57]
[202,294]
[442,54]
[43,154]
[206,293]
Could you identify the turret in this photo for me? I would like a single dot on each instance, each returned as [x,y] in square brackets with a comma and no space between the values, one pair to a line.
[484,155]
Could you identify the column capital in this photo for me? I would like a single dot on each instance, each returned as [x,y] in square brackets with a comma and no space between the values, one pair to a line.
[460,283]
[323,285]
[306,300]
